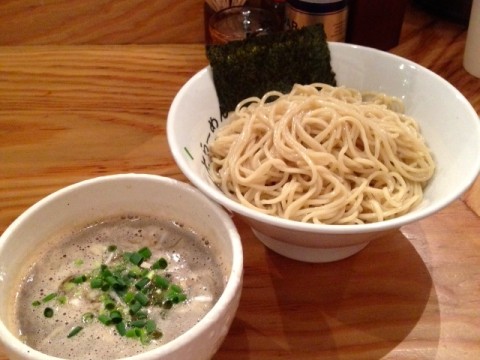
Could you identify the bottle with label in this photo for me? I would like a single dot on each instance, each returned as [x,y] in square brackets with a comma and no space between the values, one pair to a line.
[331,13]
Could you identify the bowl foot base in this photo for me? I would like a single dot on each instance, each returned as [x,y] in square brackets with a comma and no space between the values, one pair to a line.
[309,254]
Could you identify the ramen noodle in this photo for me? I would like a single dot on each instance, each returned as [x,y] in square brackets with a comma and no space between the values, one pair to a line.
[322,154]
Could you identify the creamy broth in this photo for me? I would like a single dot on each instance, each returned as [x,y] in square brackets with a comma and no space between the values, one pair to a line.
[192,265]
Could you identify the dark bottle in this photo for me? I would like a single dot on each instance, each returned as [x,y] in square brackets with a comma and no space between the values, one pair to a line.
[277,7]
[375,23]
[331,13]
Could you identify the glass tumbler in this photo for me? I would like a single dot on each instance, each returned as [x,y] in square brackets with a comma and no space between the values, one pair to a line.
[239,23]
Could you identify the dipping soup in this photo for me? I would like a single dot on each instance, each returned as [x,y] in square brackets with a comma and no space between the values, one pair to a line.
[116,288]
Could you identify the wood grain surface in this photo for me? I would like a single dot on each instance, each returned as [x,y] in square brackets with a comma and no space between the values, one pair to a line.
[66,22]
[69,113]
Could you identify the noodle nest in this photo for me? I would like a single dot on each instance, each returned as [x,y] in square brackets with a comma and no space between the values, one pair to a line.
[322,154]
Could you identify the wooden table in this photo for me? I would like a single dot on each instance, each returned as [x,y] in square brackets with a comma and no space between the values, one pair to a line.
[69,113]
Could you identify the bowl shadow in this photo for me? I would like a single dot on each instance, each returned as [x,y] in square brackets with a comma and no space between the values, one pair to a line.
[362,307]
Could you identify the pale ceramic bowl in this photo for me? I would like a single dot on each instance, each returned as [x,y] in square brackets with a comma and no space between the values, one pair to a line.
[92,199]
[448,122]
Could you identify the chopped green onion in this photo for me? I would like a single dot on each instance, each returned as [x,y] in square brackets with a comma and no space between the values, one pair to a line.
[135,272]
[176,288]
[145,252]
[138,323]
[119,285]
[150,326]
[179,298]
[109,305]
[141,315]
[75,331]
[96,283]
[111,279]
[105,271]
[87,318]
[68,286]
[144,272]
[175,294]
[48,312]
[135,307]
[140,284]
[115,282]
[116,316]
[128,297]
[121,328]
[161,282]
[160,264]
[144,338]
[131,333]
[142,298]
[150,274]
[126,291]
[136,258]
[104,319]
[49,297]
[79,279]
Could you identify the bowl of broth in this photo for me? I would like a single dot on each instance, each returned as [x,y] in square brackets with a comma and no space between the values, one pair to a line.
[123,266]
[320,172]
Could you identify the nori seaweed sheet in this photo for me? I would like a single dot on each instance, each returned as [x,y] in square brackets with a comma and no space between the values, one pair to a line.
[276,61]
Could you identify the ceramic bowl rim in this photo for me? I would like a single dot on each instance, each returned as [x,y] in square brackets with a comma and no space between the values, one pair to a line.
[246,212]
[231,291]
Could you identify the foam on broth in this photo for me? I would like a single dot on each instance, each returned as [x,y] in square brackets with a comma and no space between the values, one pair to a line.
[192,264]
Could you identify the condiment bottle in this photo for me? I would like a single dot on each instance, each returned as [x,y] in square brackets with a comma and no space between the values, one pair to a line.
[375,23]
[331,13]
[277,7]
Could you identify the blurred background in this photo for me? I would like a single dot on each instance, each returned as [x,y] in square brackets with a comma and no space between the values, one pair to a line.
[157,21]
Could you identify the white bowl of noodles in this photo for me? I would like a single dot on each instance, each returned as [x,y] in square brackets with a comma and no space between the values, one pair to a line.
[449,162]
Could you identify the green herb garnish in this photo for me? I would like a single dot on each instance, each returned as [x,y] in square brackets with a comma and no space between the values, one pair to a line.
[79,279]
[140,284]
[121,328]
[159,264]
[87,318]
[126,289]
[277,61]
[48,312]
[49,297]
[96,282]
[136,258]
[74,331]
[145,252]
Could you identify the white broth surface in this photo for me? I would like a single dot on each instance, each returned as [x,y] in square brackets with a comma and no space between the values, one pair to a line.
[191,265]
